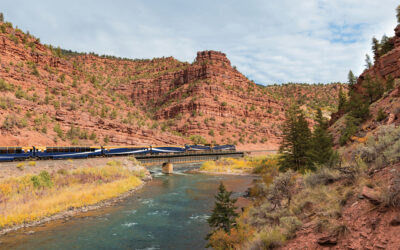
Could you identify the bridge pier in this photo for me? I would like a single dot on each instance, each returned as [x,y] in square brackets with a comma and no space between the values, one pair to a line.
[167,168]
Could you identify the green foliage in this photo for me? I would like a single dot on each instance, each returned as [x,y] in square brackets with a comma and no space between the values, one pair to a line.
[321,142]
[5,86]
[352,80]
[381,115]
[58,130]
[296,142]
[42,180]
[198,139]
[390,83]
[368,63]
[382,149]
[1,17]
[398,14]
[342,100]
[374,88]
[6,103]
[223,215]
[92,136]
[350,129]
[11,121]
[106,139]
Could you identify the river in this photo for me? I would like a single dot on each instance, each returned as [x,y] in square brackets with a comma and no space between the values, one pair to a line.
[169,212]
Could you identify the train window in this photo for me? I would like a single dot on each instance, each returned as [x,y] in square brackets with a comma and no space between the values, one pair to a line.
[18,151]
[11,151]
[3,151]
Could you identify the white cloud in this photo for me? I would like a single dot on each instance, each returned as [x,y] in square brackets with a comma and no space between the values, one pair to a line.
[269,41]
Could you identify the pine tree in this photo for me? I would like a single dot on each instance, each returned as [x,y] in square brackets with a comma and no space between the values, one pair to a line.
[1,17]
[296,142]
[375,48]
[387,45]
[398,14]
[390,83]
[223,215]
[321,143]
[352,80]
[374,89]
[342,99]
[368,63]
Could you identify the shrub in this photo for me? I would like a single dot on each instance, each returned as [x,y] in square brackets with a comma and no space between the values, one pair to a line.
[271,239]
[381,115]
[391,195]
[58,130]
[290,225]
[5,86]
[323,176]
[106,139]
[6,103]
[21,166]
[198,139]
[32,163]
[42,180]
[350,129]
[114,163]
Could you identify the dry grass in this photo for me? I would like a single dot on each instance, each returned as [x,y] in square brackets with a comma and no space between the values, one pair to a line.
[30,198]
[240,165]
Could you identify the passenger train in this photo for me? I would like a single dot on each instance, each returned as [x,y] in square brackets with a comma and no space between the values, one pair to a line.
[38,152]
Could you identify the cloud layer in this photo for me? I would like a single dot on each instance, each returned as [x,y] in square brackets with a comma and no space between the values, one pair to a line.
[269,41]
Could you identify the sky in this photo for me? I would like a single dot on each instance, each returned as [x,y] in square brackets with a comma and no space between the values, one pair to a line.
[270,41]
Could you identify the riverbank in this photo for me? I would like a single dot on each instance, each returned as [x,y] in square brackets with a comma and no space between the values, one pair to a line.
[250,166]
[30,200]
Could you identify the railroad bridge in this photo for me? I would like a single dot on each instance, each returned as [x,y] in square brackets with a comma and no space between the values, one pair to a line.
[187,157]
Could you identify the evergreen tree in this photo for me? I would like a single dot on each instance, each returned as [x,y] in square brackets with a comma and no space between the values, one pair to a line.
[390,83]
[398,14]
[387,45]
[223,215]
[368,63]
[375,48]
[358,107]
[352,80]
[1,17]
[374,89]
[296,142]
[321,144]
[342,99]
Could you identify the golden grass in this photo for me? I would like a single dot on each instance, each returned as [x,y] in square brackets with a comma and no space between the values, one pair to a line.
[240,165]
[21,201]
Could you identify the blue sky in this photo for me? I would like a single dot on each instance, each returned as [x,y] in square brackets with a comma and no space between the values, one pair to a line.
[270,41]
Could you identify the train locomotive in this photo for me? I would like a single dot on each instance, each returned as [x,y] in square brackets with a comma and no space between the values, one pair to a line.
[39,152]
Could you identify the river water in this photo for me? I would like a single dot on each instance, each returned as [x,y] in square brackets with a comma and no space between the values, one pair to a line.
[170,212]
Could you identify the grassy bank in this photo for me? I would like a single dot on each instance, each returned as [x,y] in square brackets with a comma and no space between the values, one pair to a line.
[246,165]
[32,197]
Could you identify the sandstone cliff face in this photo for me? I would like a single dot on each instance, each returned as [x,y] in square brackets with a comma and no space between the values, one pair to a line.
[388,64]
[49,97]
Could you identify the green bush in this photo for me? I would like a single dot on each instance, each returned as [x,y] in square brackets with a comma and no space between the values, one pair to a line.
[198,139]
[42,180]
[381,115]
[5,86]
[58,130]
[323,176]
